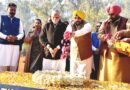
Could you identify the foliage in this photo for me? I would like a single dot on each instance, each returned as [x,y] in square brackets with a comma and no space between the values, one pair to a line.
[28,10]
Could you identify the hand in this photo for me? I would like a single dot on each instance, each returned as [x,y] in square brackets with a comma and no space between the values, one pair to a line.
[14,38]
[35,30]
[67,35]
[11,38]
[125,40]
[110,42]
[28,40]
[8,38]
[73,24]
[52,52]
[119,35]
[55,51]
[106,37]
[72,34]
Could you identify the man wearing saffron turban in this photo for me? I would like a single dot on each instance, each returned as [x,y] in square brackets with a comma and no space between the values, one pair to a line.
[114,66]
[81,57]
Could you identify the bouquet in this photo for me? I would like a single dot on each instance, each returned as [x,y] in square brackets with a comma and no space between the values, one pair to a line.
[65,44]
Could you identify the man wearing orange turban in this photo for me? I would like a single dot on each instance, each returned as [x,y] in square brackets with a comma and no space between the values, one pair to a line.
[81,57]
[114,66]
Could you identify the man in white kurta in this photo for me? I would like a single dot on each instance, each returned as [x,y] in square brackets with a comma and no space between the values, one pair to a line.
[11,32]
[81,58]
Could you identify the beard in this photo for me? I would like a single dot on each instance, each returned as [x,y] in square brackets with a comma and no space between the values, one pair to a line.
[55,21]
[79,23]
[12,14]
[112,20]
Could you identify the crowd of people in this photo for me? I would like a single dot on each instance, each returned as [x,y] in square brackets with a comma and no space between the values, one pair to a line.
[64,46]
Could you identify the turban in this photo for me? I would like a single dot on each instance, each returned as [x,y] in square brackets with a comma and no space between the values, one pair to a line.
[114,9]
[79,14]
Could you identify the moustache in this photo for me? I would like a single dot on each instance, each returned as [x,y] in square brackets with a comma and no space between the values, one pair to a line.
[78,22]
[12,14]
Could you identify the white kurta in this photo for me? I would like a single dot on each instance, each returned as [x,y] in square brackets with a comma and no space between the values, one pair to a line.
[83,67]
[9,54]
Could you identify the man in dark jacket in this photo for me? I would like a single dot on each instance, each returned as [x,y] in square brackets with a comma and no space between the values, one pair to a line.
[50,38]
[11,34]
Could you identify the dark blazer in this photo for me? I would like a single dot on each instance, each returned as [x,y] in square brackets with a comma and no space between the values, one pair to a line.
[52,35]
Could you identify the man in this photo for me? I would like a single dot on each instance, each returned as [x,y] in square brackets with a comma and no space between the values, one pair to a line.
[95,48]
[11,32]
[113,65]
[50,38]
[81,57]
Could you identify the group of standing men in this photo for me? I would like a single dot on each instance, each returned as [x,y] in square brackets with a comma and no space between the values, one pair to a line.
[113,65]
[80,55]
